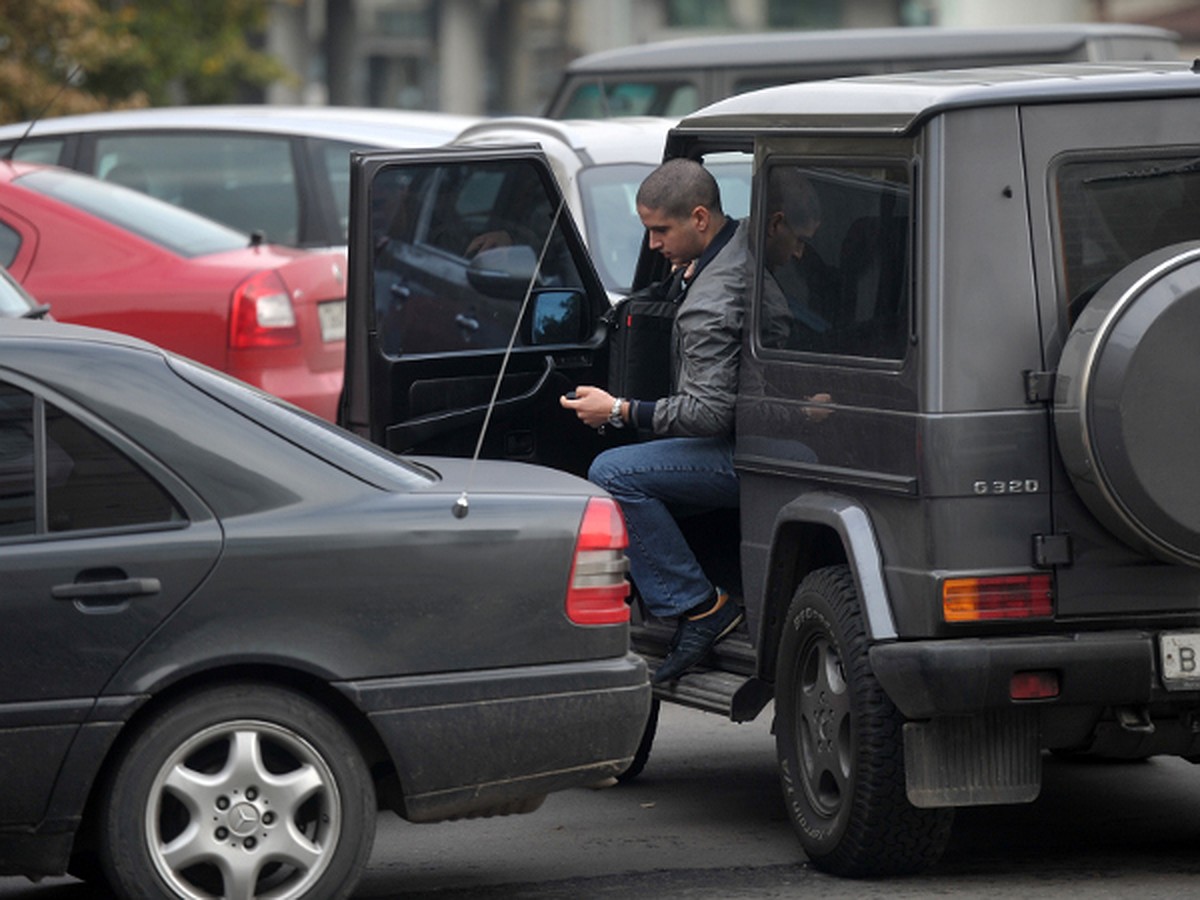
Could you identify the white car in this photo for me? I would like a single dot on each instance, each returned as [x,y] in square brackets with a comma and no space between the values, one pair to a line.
[599,165]
[282,171]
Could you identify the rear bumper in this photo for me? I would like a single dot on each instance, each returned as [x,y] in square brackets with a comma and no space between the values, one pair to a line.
[927,679]
[469,742]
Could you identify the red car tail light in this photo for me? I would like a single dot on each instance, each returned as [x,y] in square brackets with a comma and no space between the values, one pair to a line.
[999,597]
[598,590]
[262,314]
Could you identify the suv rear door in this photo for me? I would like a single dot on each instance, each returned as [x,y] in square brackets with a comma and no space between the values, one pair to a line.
[445,312]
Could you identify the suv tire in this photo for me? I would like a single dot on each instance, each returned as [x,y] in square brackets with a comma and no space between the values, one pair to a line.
[839,742]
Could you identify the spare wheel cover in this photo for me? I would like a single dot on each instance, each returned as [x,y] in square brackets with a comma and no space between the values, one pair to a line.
[1127,404]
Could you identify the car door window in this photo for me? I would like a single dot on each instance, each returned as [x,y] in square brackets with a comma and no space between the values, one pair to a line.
[457,247]
[10,243]
[834,257]
[49,460]
[35,150]
[246,181]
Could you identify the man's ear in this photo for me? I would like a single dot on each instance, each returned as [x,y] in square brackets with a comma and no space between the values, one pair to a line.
[701,219]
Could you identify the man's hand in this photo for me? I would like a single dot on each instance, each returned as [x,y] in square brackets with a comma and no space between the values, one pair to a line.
[592,405]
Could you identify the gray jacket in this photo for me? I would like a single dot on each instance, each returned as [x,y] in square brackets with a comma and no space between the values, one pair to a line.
[706,346]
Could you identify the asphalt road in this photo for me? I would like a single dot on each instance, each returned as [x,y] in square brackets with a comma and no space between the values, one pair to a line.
[705,821]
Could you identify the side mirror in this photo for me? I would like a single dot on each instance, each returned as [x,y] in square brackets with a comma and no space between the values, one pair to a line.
[557,317]
[503,272]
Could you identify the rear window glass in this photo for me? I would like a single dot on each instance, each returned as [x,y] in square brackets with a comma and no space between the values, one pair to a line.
[245,181]
[1110,212]
[336,446]
[177,230]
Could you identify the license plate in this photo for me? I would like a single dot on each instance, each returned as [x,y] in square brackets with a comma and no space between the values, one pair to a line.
[1180,654]
[333,320]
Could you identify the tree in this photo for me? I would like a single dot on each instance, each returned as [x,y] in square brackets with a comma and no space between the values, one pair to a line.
[86,55]
[46,50]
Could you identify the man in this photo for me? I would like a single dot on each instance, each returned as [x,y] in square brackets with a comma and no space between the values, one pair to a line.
[689,466]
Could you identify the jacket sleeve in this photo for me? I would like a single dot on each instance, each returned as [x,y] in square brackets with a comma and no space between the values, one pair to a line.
[708,329]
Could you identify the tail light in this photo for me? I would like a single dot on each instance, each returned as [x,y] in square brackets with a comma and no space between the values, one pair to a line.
[598,591]
[1000,597]
[262,314]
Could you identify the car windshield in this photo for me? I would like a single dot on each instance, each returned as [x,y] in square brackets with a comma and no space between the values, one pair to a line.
[608,195]
[175,229]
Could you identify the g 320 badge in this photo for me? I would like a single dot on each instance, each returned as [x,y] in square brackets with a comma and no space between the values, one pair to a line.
[1011,486]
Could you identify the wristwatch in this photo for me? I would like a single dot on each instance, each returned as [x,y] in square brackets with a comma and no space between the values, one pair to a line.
[614,417]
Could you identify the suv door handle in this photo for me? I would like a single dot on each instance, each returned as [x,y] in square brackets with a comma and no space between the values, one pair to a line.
[107,590]
[466,322]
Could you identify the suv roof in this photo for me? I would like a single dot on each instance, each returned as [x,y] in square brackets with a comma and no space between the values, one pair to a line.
[898,102]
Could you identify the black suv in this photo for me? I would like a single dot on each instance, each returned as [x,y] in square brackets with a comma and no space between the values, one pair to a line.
[970,521]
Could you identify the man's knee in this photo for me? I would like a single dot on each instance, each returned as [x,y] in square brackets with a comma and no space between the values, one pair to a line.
[604,469]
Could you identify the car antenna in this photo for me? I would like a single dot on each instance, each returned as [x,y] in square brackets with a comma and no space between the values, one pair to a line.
[12,151]
[462,505]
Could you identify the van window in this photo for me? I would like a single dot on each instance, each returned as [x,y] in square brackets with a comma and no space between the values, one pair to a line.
[607,98]
[1110,212]
[834,260]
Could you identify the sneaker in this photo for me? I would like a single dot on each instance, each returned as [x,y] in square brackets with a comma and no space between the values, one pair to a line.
[694,638]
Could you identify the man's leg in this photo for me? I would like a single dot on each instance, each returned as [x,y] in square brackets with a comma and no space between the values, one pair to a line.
[648,479]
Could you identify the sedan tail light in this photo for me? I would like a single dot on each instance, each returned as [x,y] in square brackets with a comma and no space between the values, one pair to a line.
[262,314]
[598,591]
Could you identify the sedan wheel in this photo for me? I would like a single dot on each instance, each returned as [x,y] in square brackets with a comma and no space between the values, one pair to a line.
[239,792]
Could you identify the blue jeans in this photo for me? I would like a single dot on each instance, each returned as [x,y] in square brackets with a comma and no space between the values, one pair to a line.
[655,482]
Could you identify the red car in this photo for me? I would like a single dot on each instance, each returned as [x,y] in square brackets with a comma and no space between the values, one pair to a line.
[102,255]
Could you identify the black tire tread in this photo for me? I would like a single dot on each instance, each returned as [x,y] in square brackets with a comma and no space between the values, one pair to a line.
[884,833]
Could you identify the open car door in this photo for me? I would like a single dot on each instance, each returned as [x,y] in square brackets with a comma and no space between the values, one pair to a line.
[469,283]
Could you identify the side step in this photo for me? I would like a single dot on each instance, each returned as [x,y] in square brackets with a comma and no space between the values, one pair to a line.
[724,684]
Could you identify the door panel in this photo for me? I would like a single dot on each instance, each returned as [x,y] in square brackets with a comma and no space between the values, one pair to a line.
[469,283]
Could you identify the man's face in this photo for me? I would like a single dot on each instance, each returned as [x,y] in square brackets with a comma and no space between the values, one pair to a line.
[679,240]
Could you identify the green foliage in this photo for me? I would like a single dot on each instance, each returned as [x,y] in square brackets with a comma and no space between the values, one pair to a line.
[86,55]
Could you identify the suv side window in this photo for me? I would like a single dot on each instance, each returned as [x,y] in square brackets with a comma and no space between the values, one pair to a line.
[834,258]
[86,483]
[1113,211]
[247,182]
[455,248]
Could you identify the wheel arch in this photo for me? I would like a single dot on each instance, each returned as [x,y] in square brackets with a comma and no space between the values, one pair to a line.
[356,723]
[815,530]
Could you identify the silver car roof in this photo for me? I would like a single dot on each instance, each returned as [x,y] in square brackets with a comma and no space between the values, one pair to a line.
[386,127]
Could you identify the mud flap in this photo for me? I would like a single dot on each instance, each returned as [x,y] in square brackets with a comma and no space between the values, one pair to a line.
[973,760]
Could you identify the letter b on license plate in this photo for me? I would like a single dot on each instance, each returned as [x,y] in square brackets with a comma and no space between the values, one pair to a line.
[1179,652]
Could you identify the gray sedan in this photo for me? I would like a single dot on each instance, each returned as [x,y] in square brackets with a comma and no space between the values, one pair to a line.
[233,631]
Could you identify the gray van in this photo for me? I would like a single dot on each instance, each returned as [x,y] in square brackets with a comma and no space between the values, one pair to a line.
[676,77]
